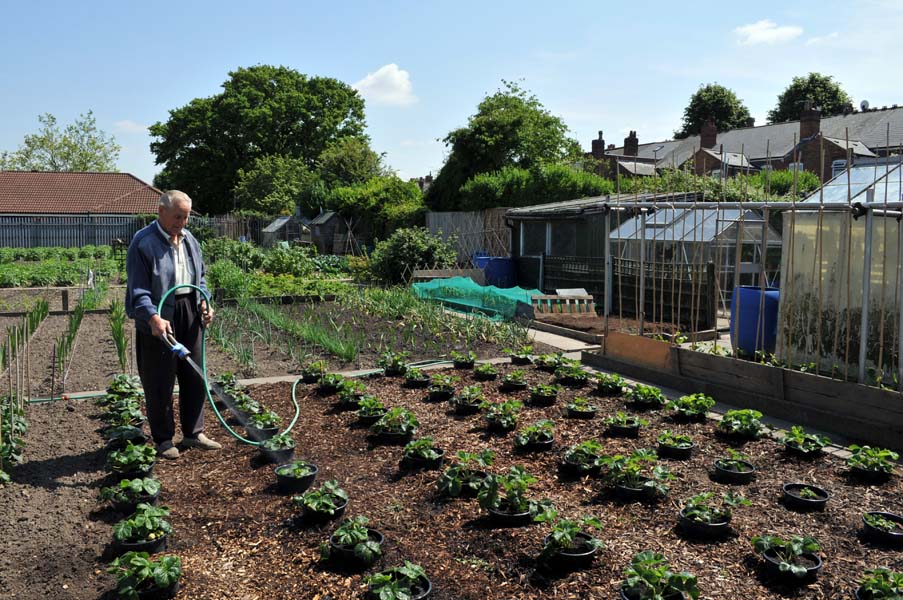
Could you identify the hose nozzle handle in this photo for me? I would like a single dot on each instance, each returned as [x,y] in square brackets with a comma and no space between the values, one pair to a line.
[177,348]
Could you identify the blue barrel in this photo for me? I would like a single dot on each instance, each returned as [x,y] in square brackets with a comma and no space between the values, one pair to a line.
[745,318]
[500,272]
[480,259]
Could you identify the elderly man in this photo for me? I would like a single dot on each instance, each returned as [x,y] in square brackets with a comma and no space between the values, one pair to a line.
[161,256]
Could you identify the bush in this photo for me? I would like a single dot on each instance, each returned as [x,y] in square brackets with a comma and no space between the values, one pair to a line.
[512,186]
[243,254]
[407,249]
[288,261]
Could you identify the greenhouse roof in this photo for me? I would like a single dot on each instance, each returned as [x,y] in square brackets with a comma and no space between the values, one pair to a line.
[884,178]
[561,210]
[688,225]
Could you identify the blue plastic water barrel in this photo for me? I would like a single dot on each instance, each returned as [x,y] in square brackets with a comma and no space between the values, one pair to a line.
[745,318]
[500,272]
[480,259]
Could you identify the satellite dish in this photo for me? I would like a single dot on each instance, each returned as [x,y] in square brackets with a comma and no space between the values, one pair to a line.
[864,105]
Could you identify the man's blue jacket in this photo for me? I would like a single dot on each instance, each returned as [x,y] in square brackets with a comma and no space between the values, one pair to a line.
[150,265]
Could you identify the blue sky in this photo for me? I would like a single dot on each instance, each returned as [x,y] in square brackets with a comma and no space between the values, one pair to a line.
[424,66]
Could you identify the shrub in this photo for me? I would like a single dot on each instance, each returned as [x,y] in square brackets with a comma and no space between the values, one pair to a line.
[408,249]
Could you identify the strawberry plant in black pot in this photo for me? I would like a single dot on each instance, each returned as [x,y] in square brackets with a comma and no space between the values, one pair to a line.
[637,477]
[537,437]
[408,582]
[569,546]
[704,518]
[514,381]
[523,356]
[370,410]
[581,408]
[650,577]
[871,465]
[139,577]
[329,384]
[544,394]
[880,584]
[463,360]
[505,498]
[295,477]
[414,378]
[323,504]
[353,544]
[646,397]
[675,445]
[278,449]
[804,497]
[583,458]
[442,387]
[129,493]
[502,416]
[396,426]
[485,372]
[133,460]
[144,531]
[623,425]
[734,468]
[883,528]
[393,364]
[804,445]
[263,425]
[741,425]
[466,476]
[610,384]
[422,454]
[468,400]
[692,407]
[792,561]
[313,372]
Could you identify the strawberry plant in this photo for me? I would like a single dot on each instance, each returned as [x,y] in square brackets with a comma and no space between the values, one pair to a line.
[805,443]
[485,372]
[393,363]
[632,472]
[136,573]
[566,533]
[675,440]
[610,384]
[647,396]
[354,534]
[423,448]
[541,431]
[146,525]
[265,419]
[876,460]
[650,577]
[370,406]
[692,406]
[508,493]
[880,584]
[882,523]
[463,360]
[787,552]
[701,509]
[327,499]
[585,456]
[743,423]
[398,583]
[465,474]
[133,458]
[502,415]
[397,421]
[283,441]
[130,490]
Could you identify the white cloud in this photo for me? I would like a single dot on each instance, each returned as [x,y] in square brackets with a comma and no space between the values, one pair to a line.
[766,32]
[127,126]
[389,85]
[822,39]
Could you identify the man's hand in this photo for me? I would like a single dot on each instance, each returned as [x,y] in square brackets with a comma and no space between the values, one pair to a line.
[159,326]
[206,313]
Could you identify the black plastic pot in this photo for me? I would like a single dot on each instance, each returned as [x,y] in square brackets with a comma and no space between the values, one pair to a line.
[705,531]
[441,394]
[485,376]
[680,417]
[392,437]
[327,389]
[537,446]
[128,507]
[547,368]
[868,476]
[493,425]
[572,468]
[573,382]
[151,546]
[143,471]
[469,492]
[512,386]
[418,462]
[155,592]
[579,414]
[579,556]
[772,564]
[345,554]
[467,409]
[416,384]
[628,431]
[120,444]
[501,517]
[632,494]
[520,360]
[675,452]
[794,501]
[394,371]
[887,538]
[294,485]
[800,453]
[370,419]
[735,477]
[463,364]
[421,590]
[542,400]
[636,594]
[311,516]
[277,456]
[310,377]
[260,435]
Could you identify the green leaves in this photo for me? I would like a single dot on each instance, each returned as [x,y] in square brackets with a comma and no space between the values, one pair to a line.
[79,147]
[324,500]
[786,551]
[134,570]
[132,457]
[872,459]
[744,423]
[716,102]
[146,524]
[692,405]
[651,573]
[422,448]
[283,441]
[397,420]
[821,90]
[406,249]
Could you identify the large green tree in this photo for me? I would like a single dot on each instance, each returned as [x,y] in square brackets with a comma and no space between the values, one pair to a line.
[716,102]
[510,128]
[274,185]
[348,161]
[262,110]
[81,146]
[379,205]
[821,90]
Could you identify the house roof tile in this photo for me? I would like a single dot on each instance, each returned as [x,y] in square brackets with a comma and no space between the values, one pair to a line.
[33,192]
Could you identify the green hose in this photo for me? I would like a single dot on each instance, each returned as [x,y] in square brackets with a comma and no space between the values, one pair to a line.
[203,366]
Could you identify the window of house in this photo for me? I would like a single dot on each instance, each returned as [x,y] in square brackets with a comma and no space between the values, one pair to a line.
[838,167]
[534,242]
[795,166]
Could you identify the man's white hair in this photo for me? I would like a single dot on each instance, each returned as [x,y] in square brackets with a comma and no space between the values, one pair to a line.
[172,196]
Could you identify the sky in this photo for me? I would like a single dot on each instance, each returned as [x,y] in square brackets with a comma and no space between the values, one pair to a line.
[423,67]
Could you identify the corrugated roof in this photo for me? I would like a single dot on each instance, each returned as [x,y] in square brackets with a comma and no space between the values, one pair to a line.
[581,205]
[869,128]
[691,225]
[75,193]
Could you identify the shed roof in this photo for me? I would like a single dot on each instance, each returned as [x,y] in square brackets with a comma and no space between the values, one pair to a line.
[45,192]
[731,159]
[323,217]
[637,168]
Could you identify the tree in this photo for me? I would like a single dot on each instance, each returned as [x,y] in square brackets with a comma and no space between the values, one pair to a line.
[379,205]
[273,185]
[821,90]
[262,110]
[510,128]
[513,186]
[348,161]
[716,102]
[81,146]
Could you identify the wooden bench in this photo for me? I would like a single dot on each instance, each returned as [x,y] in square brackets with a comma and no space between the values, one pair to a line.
[570,305]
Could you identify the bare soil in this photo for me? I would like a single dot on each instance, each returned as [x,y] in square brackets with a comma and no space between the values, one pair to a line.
[238,539]
[596,324]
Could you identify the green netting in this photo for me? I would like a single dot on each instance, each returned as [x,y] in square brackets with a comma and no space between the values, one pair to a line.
[463,293]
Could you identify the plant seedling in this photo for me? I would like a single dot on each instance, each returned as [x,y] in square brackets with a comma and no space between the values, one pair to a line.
[692,406]
[397,421]
[515,377]
[370,406]
[397,583]
[133,457]
[327,499]
[463,358]
[503,414]
[650,577]
[135,572]
[145,525]
[881,584]
[741,423]
[622,419]
[545,390]
[582,404]
[701,509]
[314,370]
[882,523]
[393,363]
[283,441]
[787,552]
[804,442]
[463,474]
[610,384]
[586,455]
[631,472]
[647,396]
[354,533]
[541,431]
[564,533]
[675,440]
[877,460]
[265,419]
[296,469]
[486,370]
[510,491]
[130,490]
[422,448]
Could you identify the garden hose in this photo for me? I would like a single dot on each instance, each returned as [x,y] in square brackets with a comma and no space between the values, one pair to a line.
[201,369]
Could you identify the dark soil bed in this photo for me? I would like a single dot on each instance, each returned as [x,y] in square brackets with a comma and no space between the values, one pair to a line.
[596,325]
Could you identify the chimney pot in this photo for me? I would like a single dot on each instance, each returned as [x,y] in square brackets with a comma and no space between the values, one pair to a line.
[631,144]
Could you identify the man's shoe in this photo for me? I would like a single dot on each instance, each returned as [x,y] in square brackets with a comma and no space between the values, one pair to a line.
[171,453]
[201,441]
